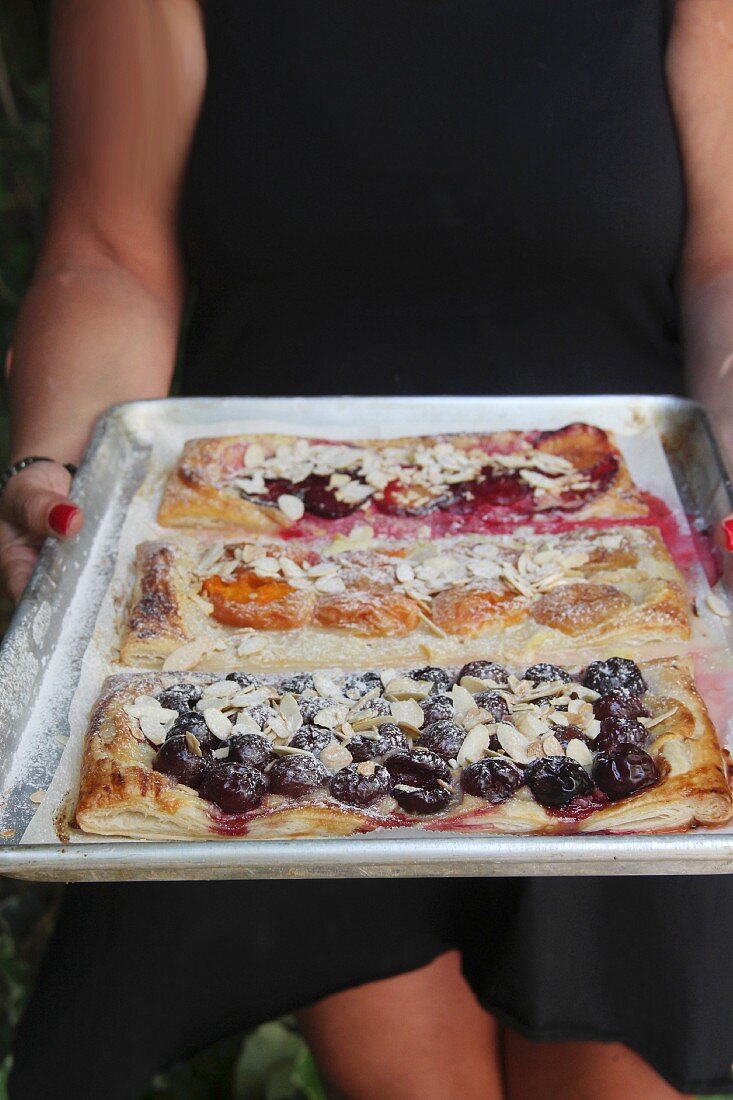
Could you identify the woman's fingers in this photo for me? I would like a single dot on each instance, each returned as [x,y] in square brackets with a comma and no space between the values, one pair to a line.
[18,553]
[34,504]
[35,501]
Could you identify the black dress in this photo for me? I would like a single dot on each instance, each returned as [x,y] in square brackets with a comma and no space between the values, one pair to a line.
[414,196]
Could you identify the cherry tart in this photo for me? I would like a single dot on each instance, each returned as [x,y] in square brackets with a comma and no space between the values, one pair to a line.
[269,604]
[614,746]
[267,483]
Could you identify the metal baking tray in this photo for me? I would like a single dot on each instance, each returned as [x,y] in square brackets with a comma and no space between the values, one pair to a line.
[41,656]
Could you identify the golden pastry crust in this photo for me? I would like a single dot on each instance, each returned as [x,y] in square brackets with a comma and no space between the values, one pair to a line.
[120,794]
[200,491]
[556,597]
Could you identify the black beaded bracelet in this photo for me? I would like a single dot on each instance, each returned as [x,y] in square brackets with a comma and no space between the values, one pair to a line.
[22,463]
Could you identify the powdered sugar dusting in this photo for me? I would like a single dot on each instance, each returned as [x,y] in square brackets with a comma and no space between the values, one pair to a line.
[164,428]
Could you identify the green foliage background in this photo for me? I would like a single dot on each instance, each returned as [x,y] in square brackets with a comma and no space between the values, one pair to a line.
[24,132]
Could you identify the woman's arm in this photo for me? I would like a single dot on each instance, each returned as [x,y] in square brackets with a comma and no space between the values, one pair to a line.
[700,74]
[100,321]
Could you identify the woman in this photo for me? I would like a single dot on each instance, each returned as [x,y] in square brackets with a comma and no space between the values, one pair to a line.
[395,196]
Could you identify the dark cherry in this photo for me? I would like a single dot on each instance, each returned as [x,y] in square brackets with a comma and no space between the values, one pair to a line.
[311,738]
[244,679]
[423,800]
[493,702]
[319,500]
[361,784]
[301,681]
[444,738]
[176,759]
[234,788]
[619,704]
[492,779]
[557,780]
[297,775]
[620,731]
[357,684]
[615,674]
[180,697]
[566,734]
[484,670]
[310,706]
[623,771]
[250,748]
[498,491]
[437,708]
[417,767]
[260,713]
[275,487]
[391,738]
[544,673]
[192,722]
[441,679]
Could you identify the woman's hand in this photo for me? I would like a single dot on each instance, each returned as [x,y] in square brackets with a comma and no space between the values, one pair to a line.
[33,505]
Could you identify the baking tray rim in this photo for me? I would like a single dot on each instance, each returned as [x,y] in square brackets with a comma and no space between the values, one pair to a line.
[633,853]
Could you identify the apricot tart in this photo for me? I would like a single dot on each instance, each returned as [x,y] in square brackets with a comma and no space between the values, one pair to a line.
[356,600]
[613,746]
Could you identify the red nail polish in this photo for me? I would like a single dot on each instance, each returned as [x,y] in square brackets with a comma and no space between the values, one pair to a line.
[60,517]
[728,532]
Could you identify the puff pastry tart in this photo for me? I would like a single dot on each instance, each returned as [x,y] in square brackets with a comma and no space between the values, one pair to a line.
[614,746]
[268,483]
[350,601]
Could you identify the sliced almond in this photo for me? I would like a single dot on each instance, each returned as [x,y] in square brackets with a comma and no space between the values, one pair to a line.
[290,750]
[291,507]
[331,586]
[474,746]
[290,711]
[335,756]
[254,456]
[578,750]
[245,724]
[218,723]
[512,741]
[221,689]
[657,719]
[323,569]
[329,718]
[186,656]
[289,568]
[432,626]
[37,796]
[252,643]
[402,687]
[408,711]
[205,605]
[717,605]
[193,743]
[551,746]
[153,728]
[463,701]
